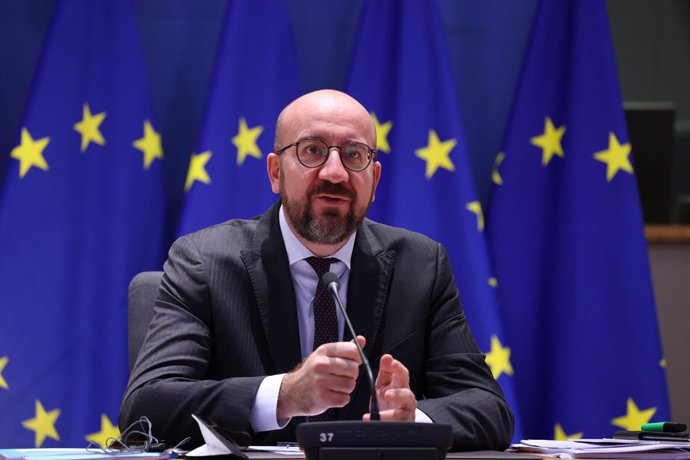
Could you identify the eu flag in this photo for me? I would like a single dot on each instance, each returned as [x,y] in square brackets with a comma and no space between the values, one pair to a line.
[567,241]
[255,76]
[81,213]
[401,72]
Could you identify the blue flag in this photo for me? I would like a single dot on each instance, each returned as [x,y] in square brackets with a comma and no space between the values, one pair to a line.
[255,76]
[567,240]
[81,213]
[401,72]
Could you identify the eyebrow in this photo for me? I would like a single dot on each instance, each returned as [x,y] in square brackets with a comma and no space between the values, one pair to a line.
[321,138]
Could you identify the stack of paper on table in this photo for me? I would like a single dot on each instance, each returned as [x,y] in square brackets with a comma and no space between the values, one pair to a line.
[606,448]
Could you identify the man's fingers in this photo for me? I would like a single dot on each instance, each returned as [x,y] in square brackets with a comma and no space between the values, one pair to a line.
[362,341]
[400,374]
[401,397]
[397,414]
[331,383]
[392,372]
[401,403]
[389,415]
[345,350]
[385,375]
[336,366]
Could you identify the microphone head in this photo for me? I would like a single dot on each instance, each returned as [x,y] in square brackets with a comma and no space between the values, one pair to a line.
[330,277]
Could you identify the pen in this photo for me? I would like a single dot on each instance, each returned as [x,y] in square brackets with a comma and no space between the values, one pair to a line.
[668,427]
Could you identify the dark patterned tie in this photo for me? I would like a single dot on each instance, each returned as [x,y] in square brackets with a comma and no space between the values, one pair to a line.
[325,318]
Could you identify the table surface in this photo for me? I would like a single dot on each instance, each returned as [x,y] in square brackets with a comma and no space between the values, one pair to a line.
[478,455]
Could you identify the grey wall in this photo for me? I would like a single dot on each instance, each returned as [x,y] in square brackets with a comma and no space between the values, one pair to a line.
[671,275]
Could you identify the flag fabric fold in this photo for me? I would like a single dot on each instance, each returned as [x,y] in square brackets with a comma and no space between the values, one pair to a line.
[567,242]
[255,76]
[400,70]
[81,213]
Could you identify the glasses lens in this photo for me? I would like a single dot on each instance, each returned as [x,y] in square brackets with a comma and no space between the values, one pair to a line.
[312,152]
[355,156]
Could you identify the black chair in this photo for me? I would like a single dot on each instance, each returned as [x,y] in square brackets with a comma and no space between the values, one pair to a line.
[143,291]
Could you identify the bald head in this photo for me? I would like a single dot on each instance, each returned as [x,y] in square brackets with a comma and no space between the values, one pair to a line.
[331,107]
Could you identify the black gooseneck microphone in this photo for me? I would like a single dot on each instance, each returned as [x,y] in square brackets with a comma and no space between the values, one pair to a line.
[376,439]
[332,283]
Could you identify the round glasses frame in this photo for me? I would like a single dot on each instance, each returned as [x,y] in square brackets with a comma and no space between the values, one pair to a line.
[370,153]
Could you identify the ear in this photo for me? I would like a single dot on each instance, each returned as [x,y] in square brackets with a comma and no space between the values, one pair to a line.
[377,177]
[273,168]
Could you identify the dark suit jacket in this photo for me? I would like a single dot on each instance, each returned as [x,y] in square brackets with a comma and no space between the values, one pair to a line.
[226,317]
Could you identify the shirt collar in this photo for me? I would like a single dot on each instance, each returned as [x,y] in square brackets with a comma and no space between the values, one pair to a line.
[296,251]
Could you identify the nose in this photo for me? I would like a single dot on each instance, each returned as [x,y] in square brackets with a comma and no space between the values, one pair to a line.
[333,170]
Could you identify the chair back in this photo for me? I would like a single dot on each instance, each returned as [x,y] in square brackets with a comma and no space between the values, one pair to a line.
[143,291]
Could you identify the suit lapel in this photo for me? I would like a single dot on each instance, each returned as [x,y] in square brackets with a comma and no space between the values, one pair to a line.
[367,295]
[269,271]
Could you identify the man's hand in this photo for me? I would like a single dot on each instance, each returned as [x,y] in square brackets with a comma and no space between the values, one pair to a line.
[324,380]
[396,400]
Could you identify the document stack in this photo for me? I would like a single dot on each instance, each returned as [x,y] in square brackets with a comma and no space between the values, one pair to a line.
[630,449]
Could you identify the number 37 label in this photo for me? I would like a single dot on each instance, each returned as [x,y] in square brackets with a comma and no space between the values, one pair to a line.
[326,437]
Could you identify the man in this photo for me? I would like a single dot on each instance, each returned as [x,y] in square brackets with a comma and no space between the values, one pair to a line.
[238,330]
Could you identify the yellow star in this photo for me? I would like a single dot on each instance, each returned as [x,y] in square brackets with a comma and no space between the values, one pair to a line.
[150,145]
[662,363]
[245,141]
[437,154]
[550,141]
[89,126]
[634,418]
[197,170]
[476,207]
[43,424]
[382,131]
[493,282]
[3,362]
[498,358]
[30,153]
[108,433]
[496,174]
[615,157]
[559,434]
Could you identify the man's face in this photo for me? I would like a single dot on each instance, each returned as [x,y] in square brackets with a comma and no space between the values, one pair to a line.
[326,204]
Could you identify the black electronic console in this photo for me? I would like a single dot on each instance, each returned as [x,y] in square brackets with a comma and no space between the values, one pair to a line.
[374,440]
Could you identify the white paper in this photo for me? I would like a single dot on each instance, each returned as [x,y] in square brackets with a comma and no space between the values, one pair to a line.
[605,448]
[213,445]
[282,450]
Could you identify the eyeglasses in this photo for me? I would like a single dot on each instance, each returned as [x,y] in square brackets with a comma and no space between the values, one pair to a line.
[313,152]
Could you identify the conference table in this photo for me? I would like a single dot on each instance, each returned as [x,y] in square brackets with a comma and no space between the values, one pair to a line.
[476,455]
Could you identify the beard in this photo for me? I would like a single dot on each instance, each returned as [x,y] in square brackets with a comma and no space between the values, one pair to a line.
[330,227]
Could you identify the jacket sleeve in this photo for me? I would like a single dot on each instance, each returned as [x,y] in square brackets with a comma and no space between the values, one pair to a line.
[169,381]
[459,389]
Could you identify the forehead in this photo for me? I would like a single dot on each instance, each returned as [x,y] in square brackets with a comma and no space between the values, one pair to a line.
[332,118]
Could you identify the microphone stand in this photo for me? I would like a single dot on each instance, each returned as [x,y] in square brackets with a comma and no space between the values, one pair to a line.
[376,439]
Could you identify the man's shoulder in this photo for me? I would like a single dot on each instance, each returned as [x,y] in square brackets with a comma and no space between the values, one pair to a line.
[391,237]
[231,233]
[232,226]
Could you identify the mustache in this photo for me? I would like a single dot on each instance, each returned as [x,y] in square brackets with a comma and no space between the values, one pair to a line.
[331,189]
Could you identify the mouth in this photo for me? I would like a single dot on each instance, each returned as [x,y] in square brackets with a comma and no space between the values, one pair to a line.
[333,198]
